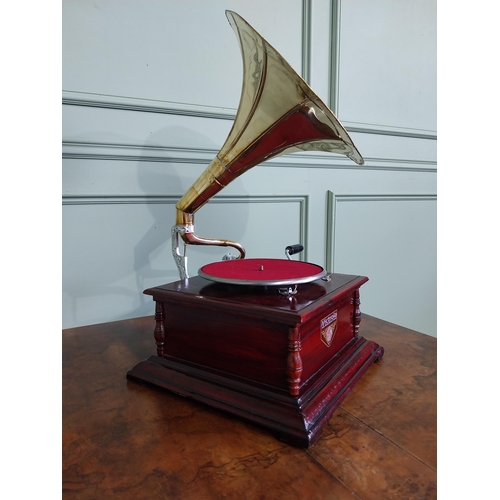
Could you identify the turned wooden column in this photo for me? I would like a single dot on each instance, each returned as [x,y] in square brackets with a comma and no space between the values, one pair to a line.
[294,362]
[356,313]
[159,332]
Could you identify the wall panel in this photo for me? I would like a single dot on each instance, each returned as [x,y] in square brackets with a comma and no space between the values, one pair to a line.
[392,240]
[114,247]
[388,65]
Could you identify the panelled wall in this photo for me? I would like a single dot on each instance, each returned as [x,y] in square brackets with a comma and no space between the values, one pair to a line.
[150,89]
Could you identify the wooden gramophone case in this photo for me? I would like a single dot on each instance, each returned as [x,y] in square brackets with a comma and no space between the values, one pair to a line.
[280,350]
[282,362]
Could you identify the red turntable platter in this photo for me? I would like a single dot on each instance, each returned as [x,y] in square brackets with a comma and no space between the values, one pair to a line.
[263,272]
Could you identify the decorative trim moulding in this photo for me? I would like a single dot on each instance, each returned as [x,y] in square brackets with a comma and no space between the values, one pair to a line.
[165,154]
[368,128]
[74,98]
[382,197]
[306,40]
[334,69]
[170,199]
[134,152]
[124,199]
[331,208]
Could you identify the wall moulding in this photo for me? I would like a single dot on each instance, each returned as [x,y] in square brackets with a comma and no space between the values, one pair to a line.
[334,55]
[72,150]
[72,98]
[306,40]
[101,199]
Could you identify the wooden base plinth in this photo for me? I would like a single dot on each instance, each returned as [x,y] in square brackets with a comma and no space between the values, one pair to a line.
[295,420]
[284,363]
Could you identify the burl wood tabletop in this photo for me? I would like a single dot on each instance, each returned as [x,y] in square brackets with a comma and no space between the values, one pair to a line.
[124,440]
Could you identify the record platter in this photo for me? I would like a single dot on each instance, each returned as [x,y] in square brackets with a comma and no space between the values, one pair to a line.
[273,341]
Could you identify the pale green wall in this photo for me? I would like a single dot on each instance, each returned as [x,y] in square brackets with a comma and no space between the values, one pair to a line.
[150,90]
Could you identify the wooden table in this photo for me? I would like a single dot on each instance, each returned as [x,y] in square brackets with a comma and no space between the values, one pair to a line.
[123,440]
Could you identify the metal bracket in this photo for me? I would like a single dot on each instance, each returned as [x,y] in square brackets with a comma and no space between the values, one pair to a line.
[180,259]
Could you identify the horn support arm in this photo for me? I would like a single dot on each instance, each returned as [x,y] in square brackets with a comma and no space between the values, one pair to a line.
[185,230]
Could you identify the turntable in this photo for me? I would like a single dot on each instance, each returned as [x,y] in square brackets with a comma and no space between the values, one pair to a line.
[274,341]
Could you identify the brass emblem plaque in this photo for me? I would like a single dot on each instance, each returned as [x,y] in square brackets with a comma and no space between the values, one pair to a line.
[328,328]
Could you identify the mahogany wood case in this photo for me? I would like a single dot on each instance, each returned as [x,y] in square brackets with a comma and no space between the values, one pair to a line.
[284,362]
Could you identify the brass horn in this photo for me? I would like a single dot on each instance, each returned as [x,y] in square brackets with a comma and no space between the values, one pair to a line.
[278,114]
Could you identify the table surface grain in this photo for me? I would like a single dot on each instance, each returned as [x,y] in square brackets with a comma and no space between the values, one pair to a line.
[125,440]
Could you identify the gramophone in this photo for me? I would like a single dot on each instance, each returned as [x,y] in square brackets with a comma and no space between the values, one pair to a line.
[273,341]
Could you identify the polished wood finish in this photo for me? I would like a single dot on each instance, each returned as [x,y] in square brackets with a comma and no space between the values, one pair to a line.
[130,441]
[285,362]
